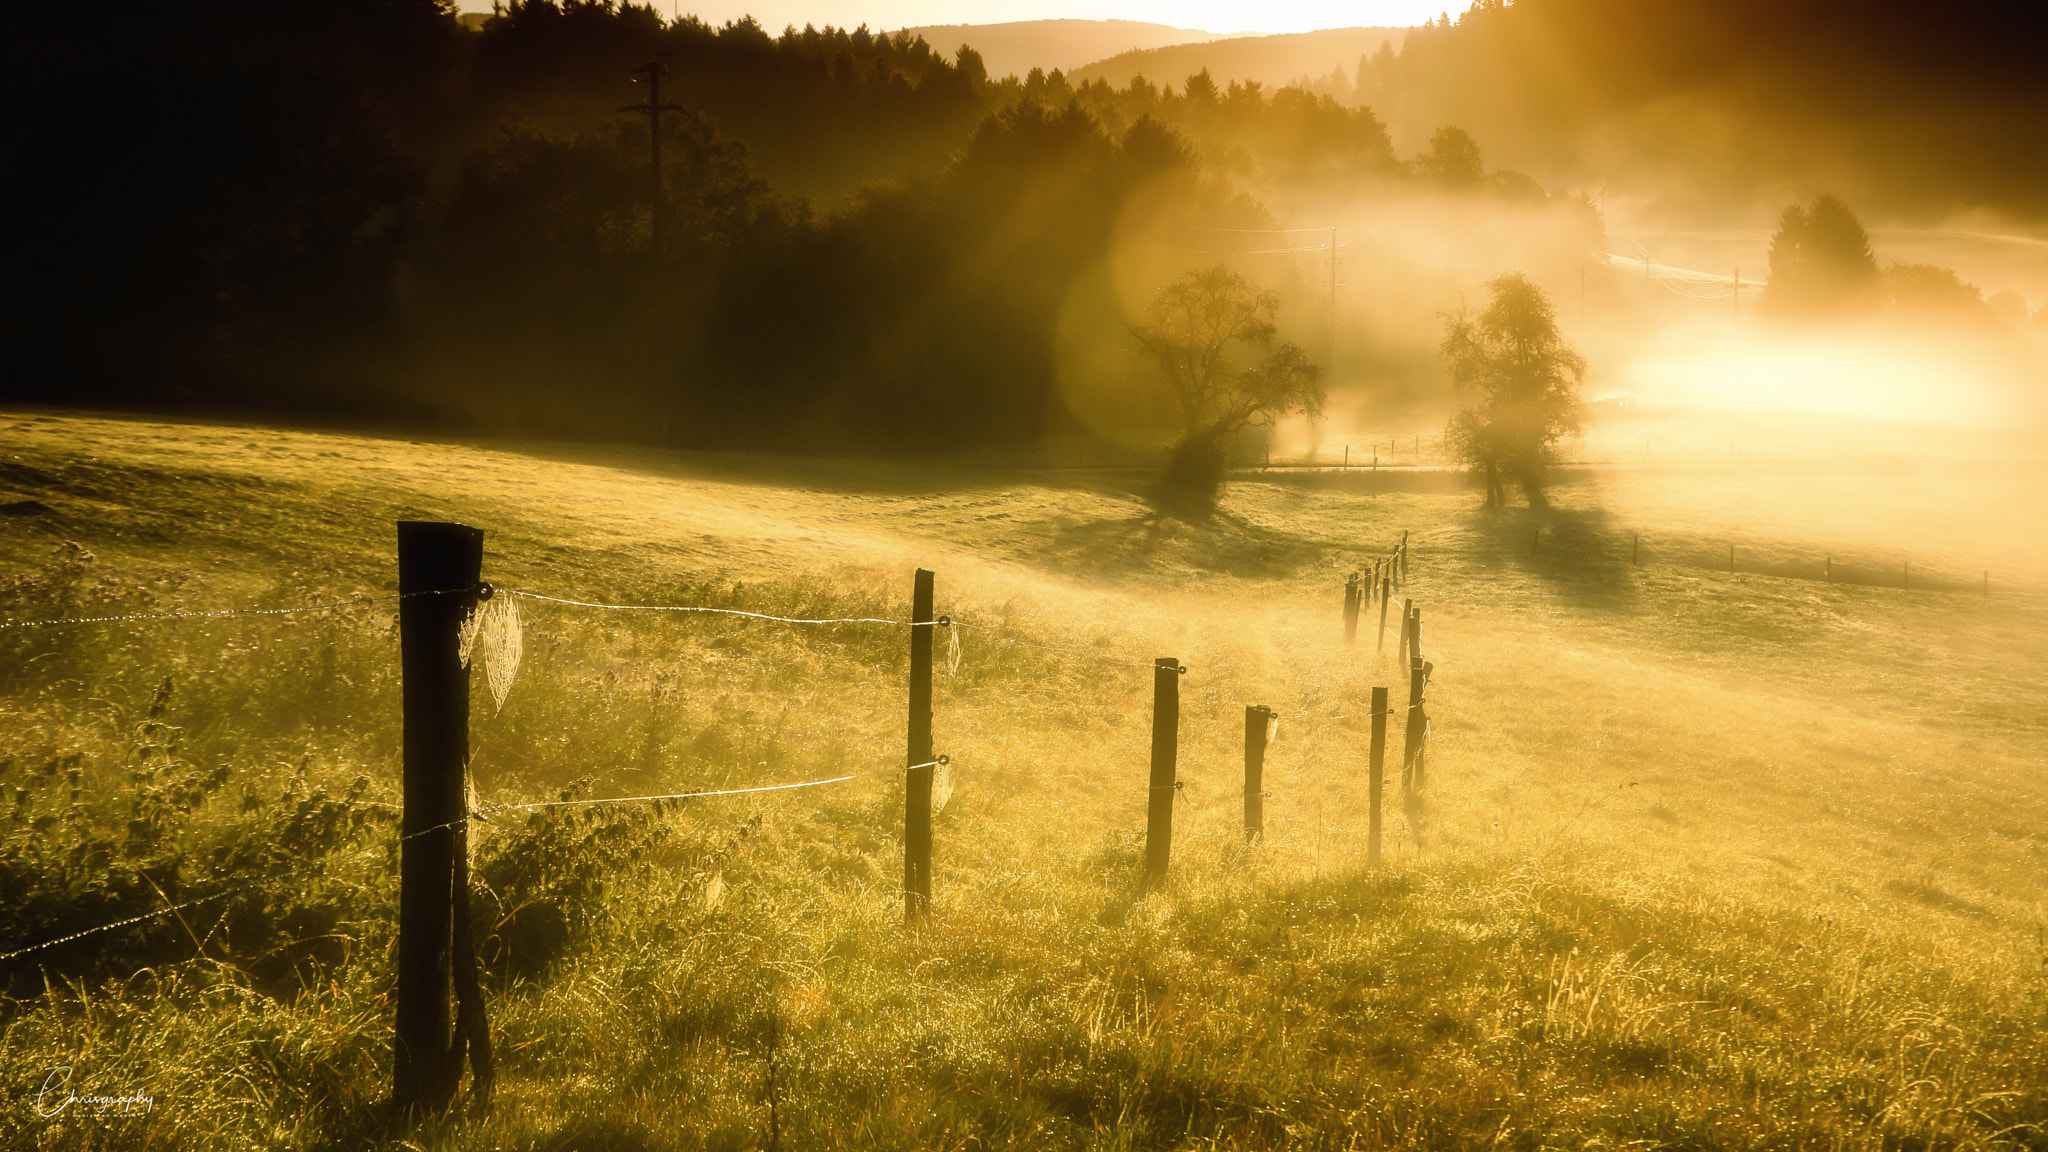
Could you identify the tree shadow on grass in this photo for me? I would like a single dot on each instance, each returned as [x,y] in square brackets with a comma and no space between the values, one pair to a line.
[1582,554]
[1220,544]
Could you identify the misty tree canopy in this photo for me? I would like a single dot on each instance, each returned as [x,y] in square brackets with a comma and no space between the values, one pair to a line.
[1527,383]
[1820,261]
[1211,334]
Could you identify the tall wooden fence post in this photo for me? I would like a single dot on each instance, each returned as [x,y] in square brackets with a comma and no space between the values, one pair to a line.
[1386,595]
[917,783]
[1351,606]
[1404,545]
[1166,673]
[1408,638]
[1376,775]
[1258,720]
[1411,743]
[439,569]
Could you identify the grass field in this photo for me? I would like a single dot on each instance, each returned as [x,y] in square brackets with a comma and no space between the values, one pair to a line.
[1709,860]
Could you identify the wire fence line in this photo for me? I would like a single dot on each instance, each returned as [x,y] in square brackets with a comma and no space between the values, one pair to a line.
[198,615]
[987,631]
[481,813]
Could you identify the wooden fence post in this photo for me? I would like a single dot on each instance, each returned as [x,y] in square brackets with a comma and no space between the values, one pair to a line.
[434,691]
[1412,739]
[1422,733]
[1404,551]
[1351,605]
[1386,595]
[1408,637]
[1257,720]
[1166,673]
[1375,779]
[917,783]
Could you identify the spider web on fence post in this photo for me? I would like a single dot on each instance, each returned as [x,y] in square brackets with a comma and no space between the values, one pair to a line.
[494,627]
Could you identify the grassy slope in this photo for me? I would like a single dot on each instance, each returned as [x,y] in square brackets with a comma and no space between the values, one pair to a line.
[1710,860]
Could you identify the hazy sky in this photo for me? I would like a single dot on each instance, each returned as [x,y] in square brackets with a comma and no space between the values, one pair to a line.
[1210,15]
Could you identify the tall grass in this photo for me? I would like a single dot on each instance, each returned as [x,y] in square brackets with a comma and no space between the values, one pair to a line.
[1679,884]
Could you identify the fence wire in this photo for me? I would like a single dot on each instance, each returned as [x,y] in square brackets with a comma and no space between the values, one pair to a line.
[221,612]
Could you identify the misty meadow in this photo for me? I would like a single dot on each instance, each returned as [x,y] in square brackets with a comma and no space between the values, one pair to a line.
[581,577]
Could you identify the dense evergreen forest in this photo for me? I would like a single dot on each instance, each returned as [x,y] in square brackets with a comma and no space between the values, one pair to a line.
[363,209]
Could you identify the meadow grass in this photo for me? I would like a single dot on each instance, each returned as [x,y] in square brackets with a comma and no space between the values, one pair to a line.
[1708,861]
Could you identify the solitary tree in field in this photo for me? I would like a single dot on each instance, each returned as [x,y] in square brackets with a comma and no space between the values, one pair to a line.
[1212,336]
[1527,379]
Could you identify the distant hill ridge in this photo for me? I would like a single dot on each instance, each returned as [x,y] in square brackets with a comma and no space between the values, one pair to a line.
[1016,48]
[1270,60]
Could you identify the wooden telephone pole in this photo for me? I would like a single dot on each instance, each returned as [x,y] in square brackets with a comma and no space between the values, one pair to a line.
[653,109]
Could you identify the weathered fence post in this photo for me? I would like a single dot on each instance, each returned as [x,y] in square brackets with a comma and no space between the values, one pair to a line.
[1404,550]
[1422,733]
[917,783]
[1376,773]
[1386,596]
[1351,605]
[1258,720]
[1408,637]
[1411,744]
[1166,673]
[440,567]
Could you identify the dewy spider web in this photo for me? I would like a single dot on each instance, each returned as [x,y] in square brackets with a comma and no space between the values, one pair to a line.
[494,626]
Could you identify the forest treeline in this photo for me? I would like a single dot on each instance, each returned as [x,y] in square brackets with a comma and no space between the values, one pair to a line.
[1912,108]
[365,209]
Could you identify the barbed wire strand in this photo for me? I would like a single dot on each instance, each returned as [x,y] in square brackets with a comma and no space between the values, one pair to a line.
[236,890]
[222,612]
[724,612]
[487,811]
[480,813]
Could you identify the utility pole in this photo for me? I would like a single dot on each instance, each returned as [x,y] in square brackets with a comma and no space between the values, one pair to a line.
[653,109]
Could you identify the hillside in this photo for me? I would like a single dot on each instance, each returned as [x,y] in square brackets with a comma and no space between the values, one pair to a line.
[1014,49]
[1270,60]
[1746,860]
